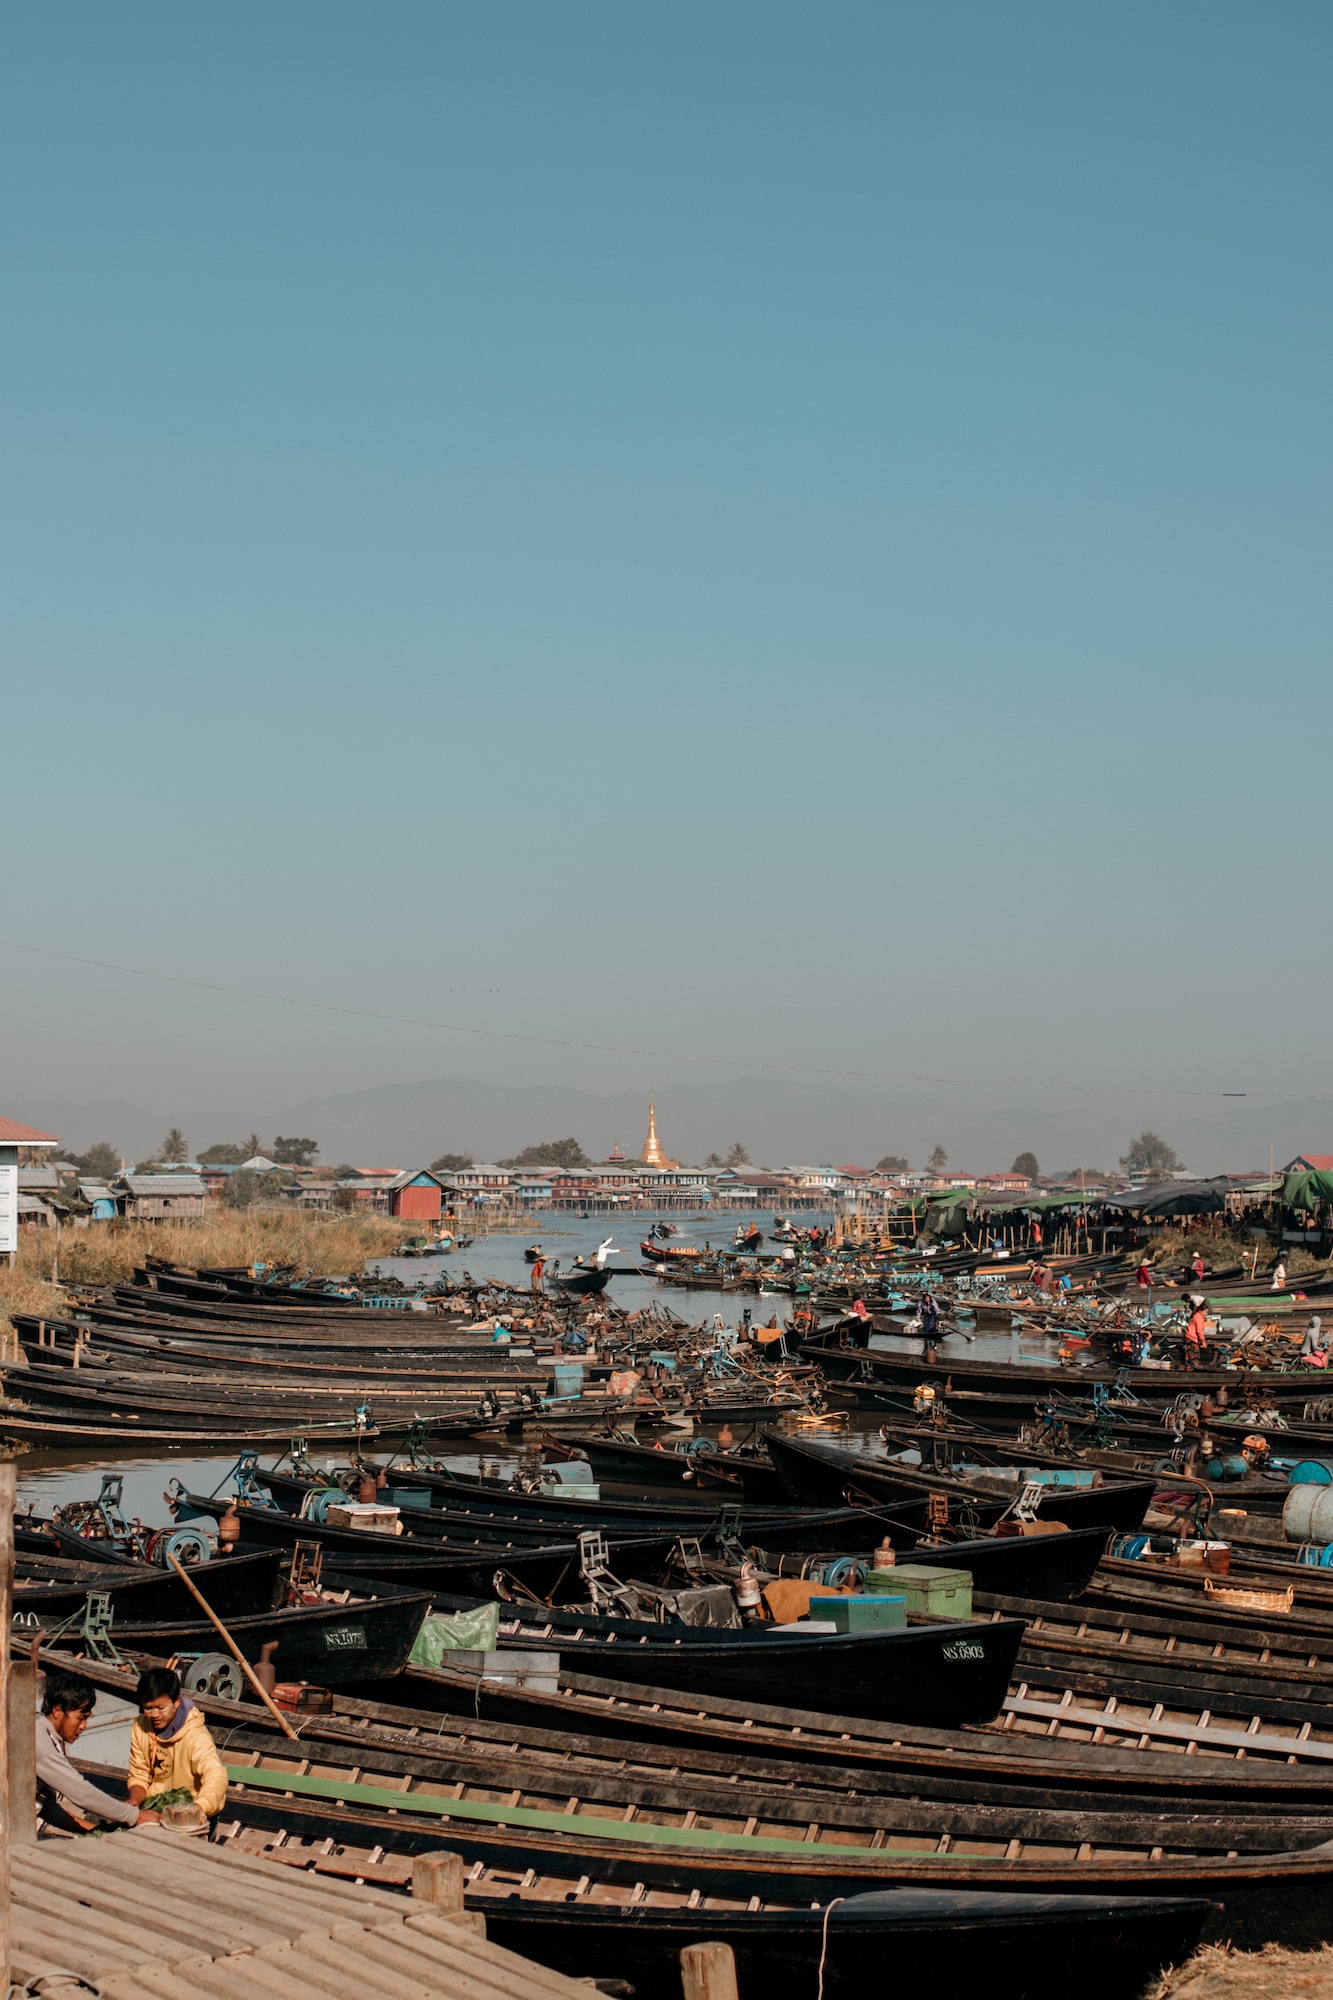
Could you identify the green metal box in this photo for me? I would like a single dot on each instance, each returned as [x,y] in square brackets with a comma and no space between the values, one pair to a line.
[861,1614]
[942,1593]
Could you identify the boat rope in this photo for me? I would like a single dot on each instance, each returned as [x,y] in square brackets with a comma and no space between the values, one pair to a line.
[823,1942]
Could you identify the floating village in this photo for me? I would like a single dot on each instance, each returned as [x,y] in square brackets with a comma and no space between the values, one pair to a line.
[666,1579]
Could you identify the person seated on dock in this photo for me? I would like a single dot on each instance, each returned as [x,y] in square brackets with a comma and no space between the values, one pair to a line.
[69,1802]
[170,1747]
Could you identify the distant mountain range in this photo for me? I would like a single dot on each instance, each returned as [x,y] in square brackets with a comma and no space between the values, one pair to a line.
[782,1121]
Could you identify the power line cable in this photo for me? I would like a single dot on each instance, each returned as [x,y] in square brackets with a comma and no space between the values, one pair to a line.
[661,1055]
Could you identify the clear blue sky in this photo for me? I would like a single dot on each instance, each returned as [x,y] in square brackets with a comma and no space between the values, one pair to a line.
[853,478]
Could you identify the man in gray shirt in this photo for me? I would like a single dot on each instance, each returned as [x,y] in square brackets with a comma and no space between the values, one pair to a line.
[66,1798]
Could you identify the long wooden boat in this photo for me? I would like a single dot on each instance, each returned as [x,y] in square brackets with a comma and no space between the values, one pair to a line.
[583,1282]
[1002,1377]
[482,1503]
[1039,1566]
[651,1470]
[367,1637]
[814,1471]
[1016,1947]
[468,1565]
[58,1433]
[924,1672]
[237,1585]
[1131,1770]
[1253,1900]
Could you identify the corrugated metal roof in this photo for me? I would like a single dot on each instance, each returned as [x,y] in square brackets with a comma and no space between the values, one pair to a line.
[39,1180]
[162,1184]
[14,1134]
[408,1176]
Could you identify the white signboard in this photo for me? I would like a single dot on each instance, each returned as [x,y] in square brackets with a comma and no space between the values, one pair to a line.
[9,1208]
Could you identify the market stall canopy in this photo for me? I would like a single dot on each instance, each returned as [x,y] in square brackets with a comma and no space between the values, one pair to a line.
[1176,1198]
[948,1214]
[1309,1190]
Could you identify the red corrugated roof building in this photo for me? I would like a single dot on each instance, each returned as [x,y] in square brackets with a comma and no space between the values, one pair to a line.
[14,1134]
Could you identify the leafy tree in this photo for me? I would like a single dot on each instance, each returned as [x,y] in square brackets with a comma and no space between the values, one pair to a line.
[1150,1155]
[739,1156]
[223,1155]
[245,1188]
[1026,1163]
[451,1163]
[344,1200]
[892,1163]
[551,1153]
[242,1189]
[713,1160]
[173,1148]
[249,1147]
[295,1152]
[101,1160]
[938,1160]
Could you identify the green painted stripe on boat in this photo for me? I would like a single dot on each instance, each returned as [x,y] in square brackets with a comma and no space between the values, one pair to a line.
[582,1824]
[1267,1302]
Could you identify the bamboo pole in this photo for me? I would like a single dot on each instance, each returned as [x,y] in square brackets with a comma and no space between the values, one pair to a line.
[227,1640]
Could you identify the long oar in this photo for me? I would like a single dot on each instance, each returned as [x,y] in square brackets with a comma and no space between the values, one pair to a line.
[234,1650]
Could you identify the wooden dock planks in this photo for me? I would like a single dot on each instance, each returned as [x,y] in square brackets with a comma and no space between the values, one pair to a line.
[151,1913]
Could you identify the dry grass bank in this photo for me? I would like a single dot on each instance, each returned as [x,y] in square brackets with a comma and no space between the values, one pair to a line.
[1217,1973]
[108,1252]
[1171,1248]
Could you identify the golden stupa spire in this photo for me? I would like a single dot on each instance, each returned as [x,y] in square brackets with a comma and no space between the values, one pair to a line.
[652,1154]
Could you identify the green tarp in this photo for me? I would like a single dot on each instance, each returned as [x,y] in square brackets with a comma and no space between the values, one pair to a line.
[455,1632]
[1309,1190]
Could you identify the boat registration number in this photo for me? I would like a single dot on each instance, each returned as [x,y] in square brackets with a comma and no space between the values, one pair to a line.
[345,1638]
[964,1649]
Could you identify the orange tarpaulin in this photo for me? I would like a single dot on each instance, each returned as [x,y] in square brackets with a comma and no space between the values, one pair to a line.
[789,1598]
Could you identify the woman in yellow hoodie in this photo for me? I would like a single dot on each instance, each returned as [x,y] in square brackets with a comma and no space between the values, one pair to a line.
[170,1747]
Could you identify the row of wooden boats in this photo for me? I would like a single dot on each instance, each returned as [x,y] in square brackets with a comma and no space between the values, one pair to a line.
[575,1673]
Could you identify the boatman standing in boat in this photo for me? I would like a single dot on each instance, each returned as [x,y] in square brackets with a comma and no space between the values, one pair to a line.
[1196,1335]
[69,1802]
[538,1266]
[170,1747]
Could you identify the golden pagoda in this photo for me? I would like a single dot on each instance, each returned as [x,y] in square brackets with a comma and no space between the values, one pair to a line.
[652,1154]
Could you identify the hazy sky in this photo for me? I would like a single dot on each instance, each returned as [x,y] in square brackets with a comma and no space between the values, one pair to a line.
[781,531]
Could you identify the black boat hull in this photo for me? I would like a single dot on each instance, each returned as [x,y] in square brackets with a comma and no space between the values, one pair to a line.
[1017,1947]
[822,1474]
[928,1673]
[235,1586]
[330,1644]
[427,1563]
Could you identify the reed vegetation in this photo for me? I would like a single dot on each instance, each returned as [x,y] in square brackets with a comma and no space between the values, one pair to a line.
[1216,1972]
[107,1253]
